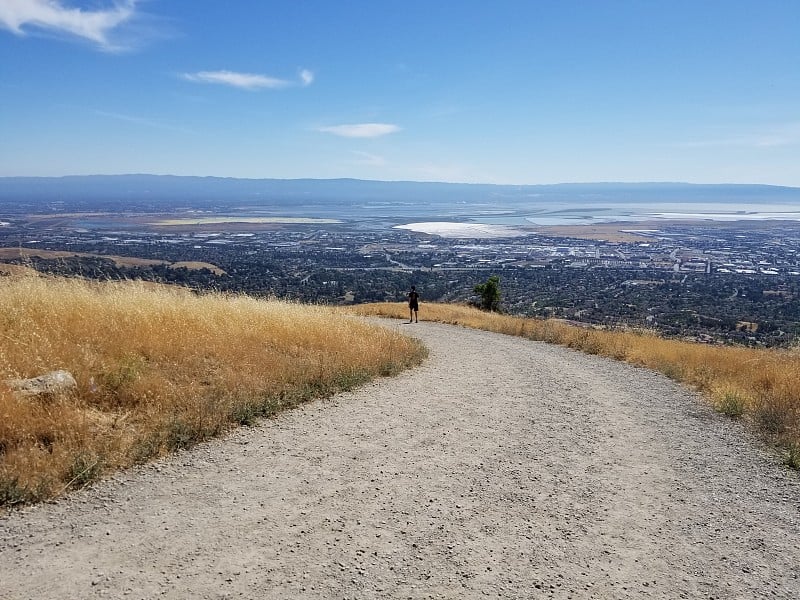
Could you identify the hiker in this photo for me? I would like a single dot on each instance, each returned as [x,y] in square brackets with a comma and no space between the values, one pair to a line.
[413,305]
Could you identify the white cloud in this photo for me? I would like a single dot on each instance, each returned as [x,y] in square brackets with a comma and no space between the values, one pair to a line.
[19,16]
[361,130]
[306,77]
[248,81]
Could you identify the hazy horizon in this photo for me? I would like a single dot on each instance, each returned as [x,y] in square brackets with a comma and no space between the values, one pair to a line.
[411,202]
[409,181]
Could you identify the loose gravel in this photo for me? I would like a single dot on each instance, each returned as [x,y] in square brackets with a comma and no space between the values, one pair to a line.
[501,468]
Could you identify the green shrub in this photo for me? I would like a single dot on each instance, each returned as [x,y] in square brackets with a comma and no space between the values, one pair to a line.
[489,291]
[732,404]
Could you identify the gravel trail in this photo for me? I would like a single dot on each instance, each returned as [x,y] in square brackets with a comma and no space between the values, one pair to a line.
[501,468]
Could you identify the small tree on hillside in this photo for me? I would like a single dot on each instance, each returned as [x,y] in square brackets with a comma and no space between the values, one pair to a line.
[489,291]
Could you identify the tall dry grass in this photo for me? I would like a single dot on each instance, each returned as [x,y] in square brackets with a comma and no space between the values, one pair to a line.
[761,386]
[160,368]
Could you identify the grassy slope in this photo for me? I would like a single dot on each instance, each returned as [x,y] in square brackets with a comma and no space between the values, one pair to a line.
[159,368]
[758,385]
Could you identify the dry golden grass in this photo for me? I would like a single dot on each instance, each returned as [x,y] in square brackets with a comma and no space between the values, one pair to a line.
[756,384]
[10,269]
[160,368]
[196,266]
[25,254]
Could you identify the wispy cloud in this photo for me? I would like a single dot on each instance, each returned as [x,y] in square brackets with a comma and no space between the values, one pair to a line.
[145,121]
[785,135]
[361,130]
[370,160]
[439,172]
[22,16]
[248,81]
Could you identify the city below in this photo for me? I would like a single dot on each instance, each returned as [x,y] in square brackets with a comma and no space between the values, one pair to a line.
[734,279]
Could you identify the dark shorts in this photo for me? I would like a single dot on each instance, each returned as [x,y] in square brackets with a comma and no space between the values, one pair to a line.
[413,305]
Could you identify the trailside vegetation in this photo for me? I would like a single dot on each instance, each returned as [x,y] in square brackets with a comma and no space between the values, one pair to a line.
[489,292]
[160,368]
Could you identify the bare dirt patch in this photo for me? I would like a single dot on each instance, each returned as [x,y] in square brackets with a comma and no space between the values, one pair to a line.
[610,232]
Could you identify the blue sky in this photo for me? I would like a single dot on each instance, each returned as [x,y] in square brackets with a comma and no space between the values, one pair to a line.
[534,91]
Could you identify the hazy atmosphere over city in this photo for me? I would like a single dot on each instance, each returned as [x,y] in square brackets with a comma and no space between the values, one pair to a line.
[470,91]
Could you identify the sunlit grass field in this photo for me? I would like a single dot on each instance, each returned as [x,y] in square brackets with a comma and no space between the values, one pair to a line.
[761,386]
[160,368]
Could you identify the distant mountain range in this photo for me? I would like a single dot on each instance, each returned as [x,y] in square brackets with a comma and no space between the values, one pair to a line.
[169,188]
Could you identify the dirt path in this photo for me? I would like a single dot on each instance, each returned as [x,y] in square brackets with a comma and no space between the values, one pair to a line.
[501,468]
